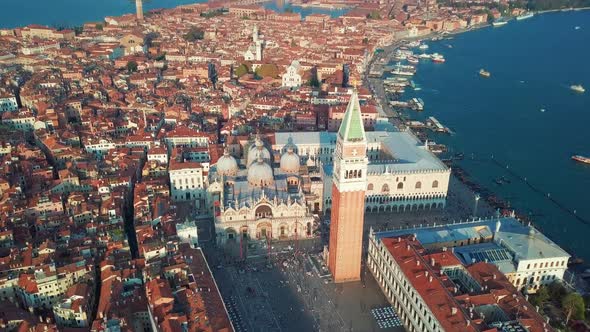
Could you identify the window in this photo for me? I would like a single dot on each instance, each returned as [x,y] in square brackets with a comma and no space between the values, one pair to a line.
[400,185]
[435,184]
[385,188]
[370,186]
[418,185]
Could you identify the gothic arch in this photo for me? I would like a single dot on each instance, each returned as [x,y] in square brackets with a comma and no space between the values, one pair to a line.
[435,184]
[400,185]
[418,185]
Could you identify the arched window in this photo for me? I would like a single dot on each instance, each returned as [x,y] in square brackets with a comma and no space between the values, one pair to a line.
[418,185]
[435,184]
[400,185]
[385,188]
[370,186]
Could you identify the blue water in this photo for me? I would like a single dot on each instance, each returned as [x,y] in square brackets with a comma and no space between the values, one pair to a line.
[15,13]
[532,63]
[281,6]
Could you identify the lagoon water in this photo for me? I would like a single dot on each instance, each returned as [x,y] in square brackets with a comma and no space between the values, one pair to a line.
[15,13]
[532,64]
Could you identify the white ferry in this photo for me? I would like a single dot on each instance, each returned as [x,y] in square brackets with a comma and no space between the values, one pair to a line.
[578,88]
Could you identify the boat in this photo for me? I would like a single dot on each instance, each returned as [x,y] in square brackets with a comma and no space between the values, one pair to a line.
[524,16]
[423,47]
[438,58]
[417,104]
[413,60]
[581,159]
[577,28]
[542,110]
[578,88]
[414,44]
[499,23]
[484,73]
[402,70]
[424,56]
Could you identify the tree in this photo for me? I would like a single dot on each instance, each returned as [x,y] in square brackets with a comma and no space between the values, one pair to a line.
[268,70]
[573,306]
[374,15]
[314,80]
[212,74]
[99,27]
[540,297]
[131,66]
[241,70]
[78,30]
[194,34]
[557,291]
[289,10]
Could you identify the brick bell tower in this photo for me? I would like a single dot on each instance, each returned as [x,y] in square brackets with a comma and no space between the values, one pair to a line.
[349,183]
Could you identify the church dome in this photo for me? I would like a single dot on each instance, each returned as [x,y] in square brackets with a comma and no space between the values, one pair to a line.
[257,150]
[227,165]
[260,174]
[290,161]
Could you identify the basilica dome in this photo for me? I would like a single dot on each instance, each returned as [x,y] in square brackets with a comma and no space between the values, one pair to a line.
[290,161]
[257,150]
[227,165]
[260,174]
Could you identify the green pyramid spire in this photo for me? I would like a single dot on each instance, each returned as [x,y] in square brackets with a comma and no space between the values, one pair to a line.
[352,128]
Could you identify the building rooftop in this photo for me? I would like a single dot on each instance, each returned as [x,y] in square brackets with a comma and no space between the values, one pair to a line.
[520,241]
[493,303]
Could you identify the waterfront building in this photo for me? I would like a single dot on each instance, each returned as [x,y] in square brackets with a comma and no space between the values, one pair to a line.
[402,173]
[349,184]
[527,257]
[43,32]
[432,290]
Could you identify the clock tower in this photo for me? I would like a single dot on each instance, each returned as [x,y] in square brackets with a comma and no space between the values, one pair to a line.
[349,183]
